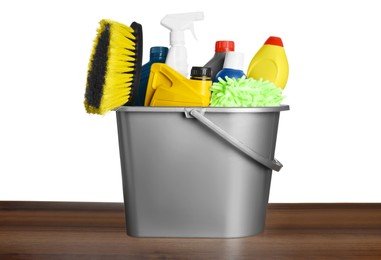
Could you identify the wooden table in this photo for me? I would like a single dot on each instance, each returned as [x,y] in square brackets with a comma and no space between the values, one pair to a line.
[71,230]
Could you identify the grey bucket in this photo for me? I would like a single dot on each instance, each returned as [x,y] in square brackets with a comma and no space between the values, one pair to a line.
[197,172]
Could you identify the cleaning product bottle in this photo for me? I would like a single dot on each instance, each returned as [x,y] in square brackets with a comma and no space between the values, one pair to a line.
[270,63]
[178,23]
[201,73]
[233,66]
[158,54]
[167,87]
[217,62]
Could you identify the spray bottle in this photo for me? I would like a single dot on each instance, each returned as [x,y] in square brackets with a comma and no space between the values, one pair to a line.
[177,24]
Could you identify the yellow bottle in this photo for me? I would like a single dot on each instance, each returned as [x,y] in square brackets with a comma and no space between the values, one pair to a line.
[167,87]
[270,63]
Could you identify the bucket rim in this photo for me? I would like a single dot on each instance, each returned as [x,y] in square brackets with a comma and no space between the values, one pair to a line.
[204,109]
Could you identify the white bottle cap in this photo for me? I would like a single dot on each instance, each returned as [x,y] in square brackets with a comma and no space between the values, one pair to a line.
[234,60]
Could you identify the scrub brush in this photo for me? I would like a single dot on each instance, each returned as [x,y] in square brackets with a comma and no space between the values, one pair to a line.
[114,68]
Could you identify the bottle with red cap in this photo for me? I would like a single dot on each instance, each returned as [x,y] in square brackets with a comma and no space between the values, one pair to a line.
[217,62]
[270,63]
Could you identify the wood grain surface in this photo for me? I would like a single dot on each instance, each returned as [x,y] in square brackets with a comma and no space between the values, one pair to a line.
[75,230]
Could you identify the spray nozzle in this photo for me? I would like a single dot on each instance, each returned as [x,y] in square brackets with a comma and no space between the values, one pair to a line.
[178,23]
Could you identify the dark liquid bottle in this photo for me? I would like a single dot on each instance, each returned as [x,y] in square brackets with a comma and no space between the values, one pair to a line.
[217,62]
[158,54]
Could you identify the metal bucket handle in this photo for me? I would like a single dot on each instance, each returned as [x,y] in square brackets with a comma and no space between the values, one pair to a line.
[271,164]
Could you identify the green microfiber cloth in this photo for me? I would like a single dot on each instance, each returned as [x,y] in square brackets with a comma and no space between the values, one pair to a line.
[245,92]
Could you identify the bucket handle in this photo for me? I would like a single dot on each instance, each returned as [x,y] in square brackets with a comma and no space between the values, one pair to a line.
[271,164]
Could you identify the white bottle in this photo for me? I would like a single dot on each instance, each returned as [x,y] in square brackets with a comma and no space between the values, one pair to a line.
[178,23]
[233,66]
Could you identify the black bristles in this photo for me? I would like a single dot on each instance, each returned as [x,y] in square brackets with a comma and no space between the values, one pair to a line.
[138,33]
[98,68]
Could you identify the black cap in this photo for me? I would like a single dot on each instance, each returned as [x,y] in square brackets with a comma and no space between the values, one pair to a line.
[201,72]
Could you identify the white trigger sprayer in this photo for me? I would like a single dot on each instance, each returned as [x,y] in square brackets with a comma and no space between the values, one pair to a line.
[178,23]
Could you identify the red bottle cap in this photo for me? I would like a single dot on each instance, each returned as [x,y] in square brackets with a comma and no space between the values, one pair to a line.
[274,41]
[224,46]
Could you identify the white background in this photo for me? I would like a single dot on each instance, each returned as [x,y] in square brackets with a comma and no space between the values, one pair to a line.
[329,142]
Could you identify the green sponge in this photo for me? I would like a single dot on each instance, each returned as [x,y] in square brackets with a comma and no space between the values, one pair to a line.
[245,92]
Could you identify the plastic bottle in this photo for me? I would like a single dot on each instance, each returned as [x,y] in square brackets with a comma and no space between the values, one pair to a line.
[201,73]
[233,66]
[178,23]
[167,87]
[217,62]
[270,63]
[158,54]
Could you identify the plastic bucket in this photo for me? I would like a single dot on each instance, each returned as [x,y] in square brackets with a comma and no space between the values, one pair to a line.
[197,172]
